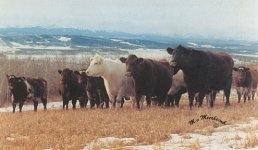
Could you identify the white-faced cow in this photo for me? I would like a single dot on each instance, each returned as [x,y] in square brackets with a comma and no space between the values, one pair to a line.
[152,78]
[178,88]
[204,71]
[127,91]
[246,80]
[70,88]
[112,71]
[23,89]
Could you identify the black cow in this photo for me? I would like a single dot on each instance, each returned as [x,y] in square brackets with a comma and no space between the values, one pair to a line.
[23,89]
[95,89]
[70,88]
[152,78]
[246,80]
[204,71]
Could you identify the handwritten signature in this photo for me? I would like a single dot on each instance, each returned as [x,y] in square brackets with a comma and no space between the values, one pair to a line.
[206,117]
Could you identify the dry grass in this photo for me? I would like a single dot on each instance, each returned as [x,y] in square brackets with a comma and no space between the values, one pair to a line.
[72,129]
[250,141]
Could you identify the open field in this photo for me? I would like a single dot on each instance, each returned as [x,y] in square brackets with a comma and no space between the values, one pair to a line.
[127,128]
[73,129]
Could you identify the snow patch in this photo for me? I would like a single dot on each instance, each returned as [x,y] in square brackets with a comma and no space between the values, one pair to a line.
[208,46]
[64,39]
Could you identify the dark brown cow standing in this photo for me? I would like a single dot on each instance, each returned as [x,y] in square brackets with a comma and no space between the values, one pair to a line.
[246,82]
[23,89]
[204,71]
[152,78]
[95,88]
[71,89]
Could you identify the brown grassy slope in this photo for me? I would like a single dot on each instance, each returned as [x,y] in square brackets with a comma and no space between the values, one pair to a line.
[72,129]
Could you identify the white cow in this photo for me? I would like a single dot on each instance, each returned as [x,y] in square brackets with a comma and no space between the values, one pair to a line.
[112,71]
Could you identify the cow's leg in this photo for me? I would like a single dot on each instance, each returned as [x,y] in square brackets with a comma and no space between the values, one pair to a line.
[138,98]
[82,101]
[107,102]
[101,98]
[253,94]
[162,98]
[21,105]
[245,96]
[177,99]
[239,96]
[191,98]
[213,98]
[14,106]
[92,103]
[200,98]
[227,94]
[196,99]
[44,101]
[35,102]
[168,101]
[74,103]
[122,103]
[148,100]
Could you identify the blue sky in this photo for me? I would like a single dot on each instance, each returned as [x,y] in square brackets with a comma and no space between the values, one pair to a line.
[236,19]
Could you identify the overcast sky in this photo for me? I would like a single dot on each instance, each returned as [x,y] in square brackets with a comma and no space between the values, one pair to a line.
[236,19]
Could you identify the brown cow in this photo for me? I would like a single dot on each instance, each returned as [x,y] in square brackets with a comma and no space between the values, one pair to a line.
[204,71]
[23,89]
[70,88]
[246,80]
[152,78]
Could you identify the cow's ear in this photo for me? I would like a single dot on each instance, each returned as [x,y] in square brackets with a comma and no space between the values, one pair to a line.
[235,69]
[122,59]
[170,50]
[247,69]
[60,71]
[76,72]
[140,61]
[7,76]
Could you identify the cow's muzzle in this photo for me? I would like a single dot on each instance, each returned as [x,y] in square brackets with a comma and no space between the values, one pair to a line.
[172,63]
[128,74]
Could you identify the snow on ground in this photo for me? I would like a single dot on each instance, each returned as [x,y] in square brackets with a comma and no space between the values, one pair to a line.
[50,105]
[228,137]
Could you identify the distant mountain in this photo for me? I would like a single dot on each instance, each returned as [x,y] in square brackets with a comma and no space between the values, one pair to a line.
[32,40]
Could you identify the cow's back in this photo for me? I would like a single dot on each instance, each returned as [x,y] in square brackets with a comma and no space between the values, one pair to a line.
[158,75]
[254,75]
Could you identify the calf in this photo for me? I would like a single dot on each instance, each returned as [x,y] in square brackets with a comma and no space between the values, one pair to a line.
[23,89]
[246,82]
[178,88]
[70,88]
[152,78]
[95,89]
[126,91]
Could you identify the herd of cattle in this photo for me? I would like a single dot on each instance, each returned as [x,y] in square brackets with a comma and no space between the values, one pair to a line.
[199,73]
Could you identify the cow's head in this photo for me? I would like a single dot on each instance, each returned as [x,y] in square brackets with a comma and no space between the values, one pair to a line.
[241,73]
[181,56]
[67,76]
[15,82]
[96,66]
[81,76]
[134,65]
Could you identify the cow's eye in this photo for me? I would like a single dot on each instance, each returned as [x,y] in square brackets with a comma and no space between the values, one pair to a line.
[96,63]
